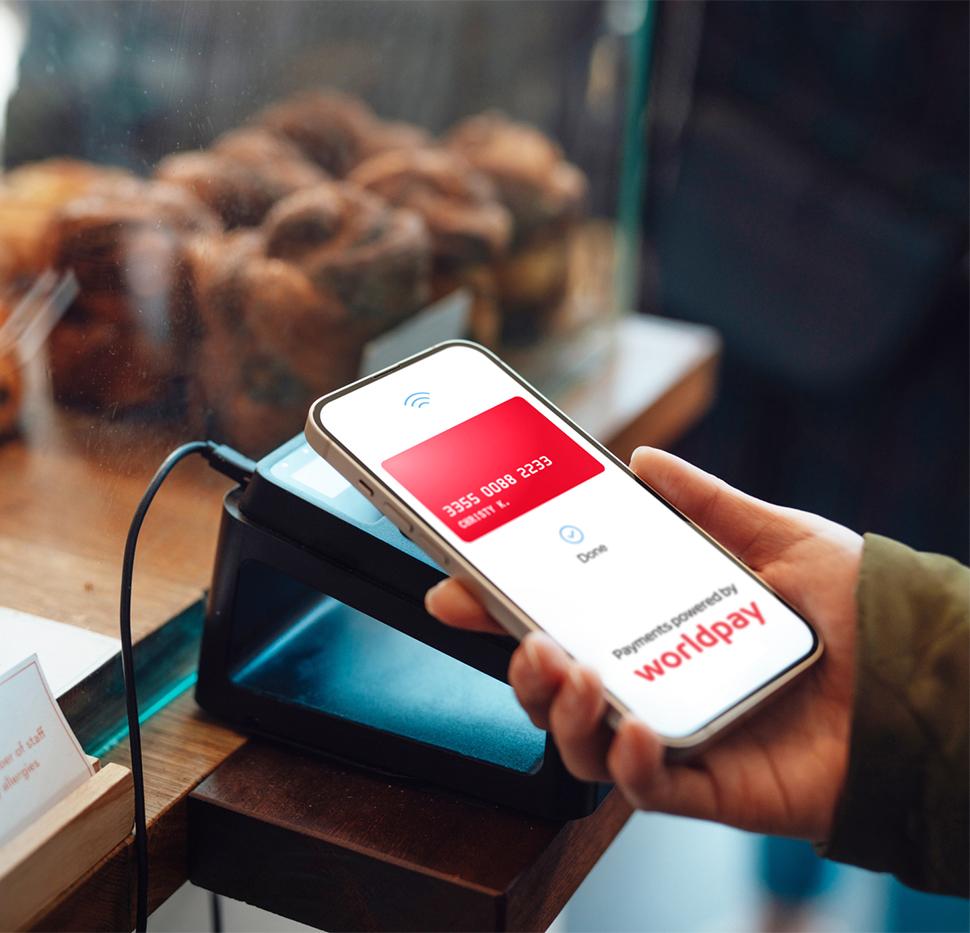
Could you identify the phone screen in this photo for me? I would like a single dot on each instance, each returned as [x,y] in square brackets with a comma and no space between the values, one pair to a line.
[679,632]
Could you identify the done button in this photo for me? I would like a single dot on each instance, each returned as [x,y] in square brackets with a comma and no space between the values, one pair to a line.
[571,534]
[586,556]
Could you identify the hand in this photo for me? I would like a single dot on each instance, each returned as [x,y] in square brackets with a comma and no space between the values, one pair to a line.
[782,771]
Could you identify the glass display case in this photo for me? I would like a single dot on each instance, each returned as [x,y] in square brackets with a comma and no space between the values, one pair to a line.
[211,211]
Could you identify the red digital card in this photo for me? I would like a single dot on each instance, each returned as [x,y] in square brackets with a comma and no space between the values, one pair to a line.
[492,468]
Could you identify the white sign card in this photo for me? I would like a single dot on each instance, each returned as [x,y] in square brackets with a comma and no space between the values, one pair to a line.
[41,760]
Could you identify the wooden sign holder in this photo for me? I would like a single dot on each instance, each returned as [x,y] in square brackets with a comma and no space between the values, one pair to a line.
[46,858]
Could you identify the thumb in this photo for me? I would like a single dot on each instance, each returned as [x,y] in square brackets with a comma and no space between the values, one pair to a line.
[752,530]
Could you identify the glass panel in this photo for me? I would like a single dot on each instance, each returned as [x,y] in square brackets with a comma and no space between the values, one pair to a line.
[232,199]
[210,211]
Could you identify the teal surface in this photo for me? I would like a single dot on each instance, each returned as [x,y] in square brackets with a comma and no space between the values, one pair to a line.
[346,663]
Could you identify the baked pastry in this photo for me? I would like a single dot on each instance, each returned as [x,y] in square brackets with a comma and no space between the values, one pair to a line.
[373,258]
[469,228]
[286,310]
[11,395]
[122,341]
[9,267]
[545,195]
[235,192]
[29,196]
[335,130]
[243,174]
[528,169]
[11,381]
[264,330]
[466,222]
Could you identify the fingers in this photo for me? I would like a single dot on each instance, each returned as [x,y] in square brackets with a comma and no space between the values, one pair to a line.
[568,700]
[576,720]
[635,762]
[751,529]
[565,698]
[538,669]
[554,691]
[452,604]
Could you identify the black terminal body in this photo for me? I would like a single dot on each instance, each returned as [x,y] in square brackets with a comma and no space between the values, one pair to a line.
[316,634]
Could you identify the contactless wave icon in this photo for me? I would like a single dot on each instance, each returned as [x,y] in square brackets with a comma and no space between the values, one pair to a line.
[418,400]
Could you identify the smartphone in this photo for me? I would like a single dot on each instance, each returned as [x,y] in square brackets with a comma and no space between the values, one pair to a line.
[554,534]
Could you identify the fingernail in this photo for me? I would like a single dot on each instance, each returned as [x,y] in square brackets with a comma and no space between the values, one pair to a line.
[576,691]
[531,649]
[625,757]
[432,595]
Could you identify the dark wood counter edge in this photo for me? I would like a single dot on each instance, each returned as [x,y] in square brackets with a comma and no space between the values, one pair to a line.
[294,847]
[541,892]
[327,887]
[198,798]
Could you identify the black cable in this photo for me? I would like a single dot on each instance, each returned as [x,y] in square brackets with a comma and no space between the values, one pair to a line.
[237,467]
[215,908]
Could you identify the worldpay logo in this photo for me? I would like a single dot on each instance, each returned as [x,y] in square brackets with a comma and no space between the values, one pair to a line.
[705,638]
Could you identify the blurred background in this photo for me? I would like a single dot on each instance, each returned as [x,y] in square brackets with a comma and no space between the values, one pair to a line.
[793,174]
[807,195]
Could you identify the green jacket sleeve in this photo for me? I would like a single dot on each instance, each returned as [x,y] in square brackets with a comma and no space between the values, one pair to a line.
[904,808]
